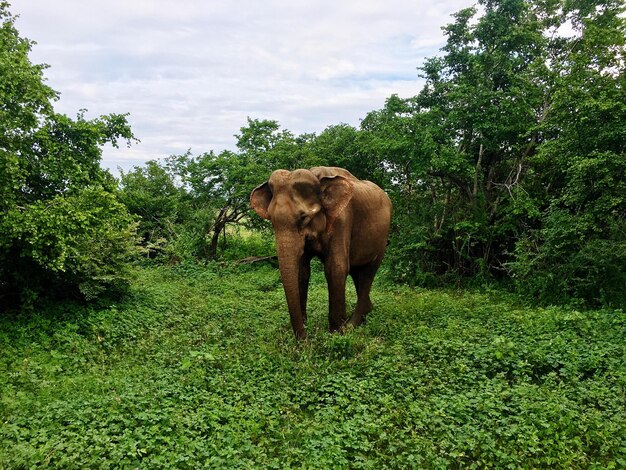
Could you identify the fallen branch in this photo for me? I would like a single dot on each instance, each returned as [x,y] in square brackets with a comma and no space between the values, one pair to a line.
[257,259]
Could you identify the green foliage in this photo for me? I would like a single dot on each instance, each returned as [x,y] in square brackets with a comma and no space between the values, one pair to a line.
[576,251]
[81,241]
[62,231]
[568,260]
[342,146]
[24,95]
[511,160]
[198,367]
[151,194]
[244,243]
[216,195]
[188,202]
[456,152]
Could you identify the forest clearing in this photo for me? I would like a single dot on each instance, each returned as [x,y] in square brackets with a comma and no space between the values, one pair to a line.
[132,334]
[199,366]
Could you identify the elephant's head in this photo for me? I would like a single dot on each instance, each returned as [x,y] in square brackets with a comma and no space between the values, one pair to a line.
[303,210]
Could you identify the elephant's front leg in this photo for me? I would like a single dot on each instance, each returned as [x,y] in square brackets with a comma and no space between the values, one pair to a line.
[303,284]
[336,274]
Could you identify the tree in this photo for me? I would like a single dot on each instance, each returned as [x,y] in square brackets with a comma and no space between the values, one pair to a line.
[400,139]
[576,246]
[62,229]
[487,97]
[510,161]
[340,145]
[151,193]
[218,185]
[217,190]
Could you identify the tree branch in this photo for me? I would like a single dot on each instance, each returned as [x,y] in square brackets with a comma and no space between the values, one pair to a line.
[456,180]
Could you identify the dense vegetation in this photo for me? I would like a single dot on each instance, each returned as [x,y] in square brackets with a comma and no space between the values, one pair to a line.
[198,366]
[508,166]
[128,335]
[62,229]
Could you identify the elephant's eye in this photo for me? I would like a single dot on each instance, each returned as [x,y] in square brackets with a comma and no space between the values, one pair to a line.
[304,219]
[305,189]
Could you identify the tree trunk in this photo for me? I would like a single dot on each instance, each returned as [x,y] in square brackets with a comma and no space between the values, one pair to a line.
[215,238]
[218,226]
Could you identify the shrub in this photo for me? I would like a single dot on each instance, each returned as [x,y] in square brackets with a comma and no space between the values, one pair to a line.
[62,231]
[79,244]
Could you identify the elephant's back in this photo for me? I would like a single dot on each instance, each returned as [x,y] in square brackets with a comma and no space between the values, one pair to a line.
[325,171]
[371,200]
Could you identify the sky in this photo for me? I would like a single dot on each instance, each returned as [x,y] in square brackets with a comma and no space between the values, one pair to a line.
[190,72]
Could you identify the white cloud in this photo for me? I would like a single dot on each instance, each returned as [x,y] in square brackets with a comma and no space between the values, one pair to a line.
[190,72]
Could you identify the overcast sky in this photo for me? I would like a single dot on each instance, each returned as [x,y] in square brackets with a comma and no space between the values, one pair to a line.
[189,72]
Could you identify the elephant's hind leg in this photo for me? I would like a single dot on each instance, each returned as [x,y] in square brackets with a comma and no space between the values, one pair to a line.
[363,277]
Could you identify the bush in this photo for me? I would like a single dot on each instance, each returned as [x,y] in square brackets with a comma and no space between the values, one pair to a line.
[79,245]
[563,263]
[62,230]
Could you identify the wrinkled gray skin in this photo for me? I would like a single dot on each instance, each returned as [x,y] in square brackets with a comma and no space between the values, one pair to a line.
[328,213]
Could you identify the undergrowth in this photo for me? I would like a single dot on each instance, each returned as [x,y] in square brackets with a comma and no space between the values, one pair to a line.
[198,367]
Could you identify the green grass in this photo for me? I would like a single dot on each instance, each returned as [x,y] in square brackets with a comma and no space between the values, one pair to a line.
[198,367]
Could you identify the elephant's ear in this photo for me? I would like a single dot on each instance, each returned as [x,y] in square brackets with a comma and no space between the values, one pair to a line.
[336,192]
[260,199]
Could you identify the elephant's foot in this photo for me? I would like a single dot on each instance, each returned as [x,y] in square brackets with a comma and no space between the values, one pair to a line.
[354,322]
[359,316]
[335,329]
[336,321]
[336,325]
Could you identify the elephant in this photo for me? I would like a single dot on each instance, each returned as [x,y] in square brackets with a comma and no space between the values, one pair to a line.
[328,213]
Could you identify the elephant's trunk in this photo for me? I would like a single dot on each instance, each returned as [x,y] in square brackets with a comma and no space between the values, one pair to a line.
[290,248]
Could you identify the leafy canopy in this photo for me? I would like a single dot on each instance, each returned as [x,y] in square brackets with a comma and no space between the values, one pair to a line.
[62,229]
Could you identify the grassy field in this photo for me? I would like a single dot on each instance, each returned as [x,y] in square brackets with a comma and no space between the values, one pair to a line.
[198,367]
